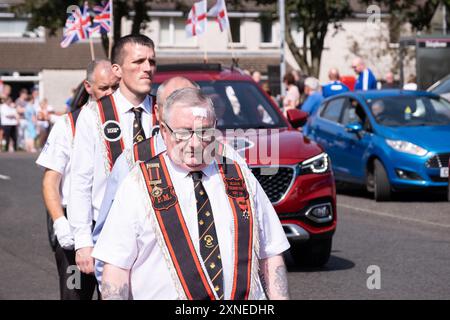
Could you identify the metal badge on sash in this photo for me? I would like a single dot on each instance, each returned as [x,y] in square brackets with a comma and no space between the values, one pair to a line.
[162,198]
[111,131]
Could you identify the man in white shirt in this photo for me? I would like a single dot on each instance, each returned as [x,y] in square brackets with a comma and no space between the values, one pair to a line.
[149,257]
[55,158]
[99,139]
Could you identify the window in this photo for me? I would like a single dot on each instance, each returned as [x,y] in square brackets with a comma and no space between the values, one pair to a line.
[333,110]
[353,113]
[266,30]
[235,27]
[13,28]
[410,110]
[172,33]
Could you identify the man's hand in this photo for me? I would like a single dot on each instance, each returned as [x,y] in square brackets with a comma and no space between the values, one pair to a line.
[63,233]
[84,260]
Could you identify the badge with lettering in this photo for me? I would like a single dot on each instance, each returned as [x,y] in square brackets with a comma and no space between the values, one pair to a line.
[111,131]
[235,188]
[166,198]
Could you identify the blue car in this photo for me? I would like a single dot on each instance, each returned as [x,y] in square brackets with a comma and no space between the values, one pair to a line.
[387,140]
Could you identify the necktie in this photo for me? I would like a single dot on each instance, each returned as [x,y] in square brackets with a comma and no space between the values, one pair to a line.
[138,132]
[209,244]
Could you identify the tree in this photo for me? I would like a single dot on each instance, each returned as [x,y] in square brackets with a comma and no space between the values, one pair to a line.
[417,13]
[52,14]
[313,18]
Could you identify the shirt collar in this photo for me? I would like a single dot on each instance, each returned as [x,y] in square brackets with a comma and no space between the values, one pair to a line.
[208,171]
[123,105]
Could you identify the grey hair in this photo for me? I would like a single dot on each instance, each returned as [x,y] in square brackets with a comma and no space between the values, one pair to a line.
[92,66]
[159,99]
[312,83]
[188,97]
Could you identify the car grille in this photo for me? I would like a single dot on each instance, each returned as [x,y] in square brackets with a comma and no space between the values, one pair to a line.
[438,179]
[275,185]
[438,161]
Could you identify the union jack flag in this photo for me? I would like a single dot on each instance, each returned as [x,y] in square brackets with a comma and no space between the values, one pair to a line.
[103,17]
[77,26]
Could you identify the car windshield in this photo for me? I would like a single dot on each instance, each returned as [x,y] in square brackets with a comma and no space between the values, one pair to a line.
[240,105]
[410,111]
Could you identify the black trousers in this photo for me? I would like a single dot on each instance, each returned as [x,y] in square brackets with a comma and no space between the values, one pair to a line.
[10,133]
[73,284]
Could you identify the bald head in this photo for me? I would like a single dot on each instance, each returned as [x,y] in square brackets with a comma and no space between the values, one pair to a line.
[167,87]
[100,79]
[333,74]
[358,65]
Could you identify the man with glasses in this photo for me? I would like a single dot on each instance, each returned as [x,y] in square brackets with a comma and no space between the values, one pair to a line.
[366,79]
[127,159]
[192,224]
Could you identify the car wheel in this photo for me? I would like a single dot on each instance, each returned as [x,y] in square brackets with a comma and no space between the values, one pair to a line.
[382,186]
[448,192]
[313,254]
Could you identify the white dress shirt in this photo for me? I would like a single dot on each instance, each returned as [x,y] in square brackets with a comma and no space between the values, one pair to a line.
[90,167]
[128,237]
[55,154]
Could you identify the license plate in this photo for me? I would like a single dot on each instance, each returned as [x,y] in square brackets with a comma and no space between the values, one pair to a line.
[444,172]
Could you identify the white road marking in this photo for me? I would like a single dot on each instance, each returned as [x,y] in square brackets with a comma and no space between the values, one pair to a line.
[388,215]
[3,177]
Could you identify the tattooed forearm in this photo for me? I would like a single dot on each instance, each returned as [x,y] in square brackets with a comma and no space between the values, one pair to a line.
[113,292]
[262,275]
[281,284]
[274,278]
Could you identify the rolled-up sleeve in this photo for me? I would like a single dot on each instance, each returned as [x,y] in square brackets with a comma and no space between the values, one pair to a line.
[117,243]
[56,152]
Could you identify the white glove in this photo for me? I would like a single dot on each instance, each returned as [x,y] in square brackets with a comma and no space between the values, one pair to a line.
[63,233]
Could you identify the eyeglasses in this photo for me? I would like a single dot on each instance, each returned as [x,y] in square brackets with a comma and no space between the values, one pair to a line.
[205,134]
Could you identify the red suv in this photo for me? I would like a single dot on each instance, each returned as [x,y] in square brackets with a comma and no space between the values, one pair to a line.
[294,171]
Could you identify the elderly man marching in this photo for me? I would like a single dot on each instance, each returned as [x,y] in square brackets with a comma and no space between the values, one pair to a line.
[187,226]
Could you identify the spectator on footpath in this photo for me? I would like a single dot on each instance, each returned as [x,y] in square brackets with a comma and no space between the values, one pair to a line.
[30,129]
[366,79]
[5,92]
[43,121]
[410,83]
[265,86]
[21,103]
[256,75]
[389,81]
[299,79]
[9,122]
[292,98]
[335,86]
[314,96]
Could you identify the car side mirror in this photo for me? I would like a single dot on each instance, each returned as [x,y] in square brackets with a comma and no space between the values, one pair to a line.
[355,127]
[297,118]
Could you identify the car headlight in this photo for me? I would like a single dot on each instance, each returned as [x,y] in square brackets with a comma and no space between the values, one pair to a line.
[316,164]
[406,147]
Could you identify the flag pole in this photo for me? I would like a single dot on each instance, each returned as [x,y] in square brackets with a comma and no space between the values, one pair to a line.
[111,32]
[205,54]
[91,45]
[230,38]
